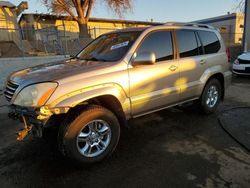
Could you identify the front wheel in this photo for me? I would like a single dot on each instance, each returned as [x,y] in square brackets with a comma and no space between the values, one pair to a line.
[90,136]
[211,96]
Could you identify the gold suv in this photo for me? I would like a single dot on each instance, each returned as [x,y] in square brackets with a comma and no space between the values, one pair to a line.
[120,75]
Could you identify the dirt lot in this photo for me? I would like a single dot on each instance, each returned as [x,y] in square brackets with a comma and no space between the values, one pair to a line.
[171,148]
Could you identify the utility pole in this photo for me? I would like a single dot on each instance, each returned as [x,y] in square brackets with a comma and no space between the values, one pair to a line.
[246,37]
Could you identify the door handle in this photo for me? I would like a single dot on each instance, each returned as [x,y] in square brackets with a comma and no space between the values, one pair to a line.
[173,67]
[203,61]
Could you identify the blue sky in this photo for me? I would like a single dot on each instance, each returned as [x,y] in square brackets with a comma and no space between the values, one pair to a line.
[158,10]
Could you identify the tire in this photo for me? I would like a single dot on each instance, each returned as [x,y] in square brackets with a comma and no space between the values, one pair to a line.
[90,136]
[50,135]
[211,96]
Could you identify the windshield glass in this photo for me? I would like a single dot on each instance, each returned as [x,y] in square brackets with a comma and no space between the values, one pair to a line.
[109,47]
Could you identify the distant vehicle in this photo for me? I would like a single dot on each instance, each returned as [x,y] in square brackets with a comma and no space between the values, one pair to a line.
[120,75]
[241,65]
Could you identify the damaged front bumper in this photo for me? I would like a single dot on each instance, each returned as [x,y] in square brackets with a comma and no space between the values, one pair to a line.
[34,119]
[38,116]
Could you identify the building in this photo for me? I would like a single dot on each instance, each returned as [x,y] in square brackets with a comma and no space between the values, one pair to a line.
[246,37]
[49,27]
[8,20]
[55,34]
[9,33]
[231,27]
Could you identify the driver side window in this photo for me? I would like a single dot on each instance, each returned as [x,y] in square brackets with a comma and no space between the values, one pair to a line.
[160,43]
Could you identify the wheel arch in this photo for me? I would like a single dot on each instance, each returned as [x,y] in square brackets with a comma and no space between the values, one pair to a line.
[107,101]
[110,95]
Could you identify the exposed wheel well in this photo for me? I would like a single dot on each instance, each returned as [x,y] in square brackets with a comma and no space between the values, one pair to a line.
[107,101]
[220,78]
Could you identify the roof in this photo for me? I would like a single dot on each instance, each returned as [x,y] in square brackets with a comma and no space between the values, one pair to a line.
[53,16]
[131,29]
[169,25]
[7,4]
[218,18]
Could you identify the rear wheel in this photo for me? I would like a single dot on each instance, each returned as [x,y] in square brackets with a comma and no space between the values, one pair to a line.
[211,96]
[90,136]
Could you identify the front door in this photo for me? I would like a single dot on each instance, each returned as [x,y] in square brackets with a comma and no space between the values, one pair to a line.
[155,86]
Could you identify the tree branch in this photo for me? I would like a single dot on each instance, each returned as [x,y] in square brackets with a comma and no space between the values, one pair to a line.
[79,9]
[90,5]
[65,7]
[84,4]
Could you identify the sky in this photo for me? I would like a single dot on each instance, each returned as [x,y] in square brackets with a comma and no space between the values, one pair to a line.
[158,10]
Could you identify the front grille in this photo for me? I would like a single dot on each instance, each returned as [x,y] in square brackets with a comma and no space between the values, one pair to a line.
[10,89]
[241,61]
[247,70]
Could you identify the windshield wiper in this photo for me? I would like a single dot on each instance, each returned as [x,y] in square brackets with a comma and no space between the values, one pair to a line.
[73,57]
[94,59]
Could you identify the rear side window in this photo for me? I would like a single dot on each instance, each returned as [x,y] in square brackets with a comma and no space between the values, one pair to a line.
[160,43]
[187,43]
[210,42]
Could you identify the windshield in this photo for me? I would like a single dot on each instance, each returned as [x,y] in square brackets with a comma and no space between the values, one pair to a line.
[109,47]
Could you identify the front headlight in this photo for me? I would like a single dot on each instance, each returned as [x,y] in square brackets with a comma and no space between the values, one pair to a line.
[35,95]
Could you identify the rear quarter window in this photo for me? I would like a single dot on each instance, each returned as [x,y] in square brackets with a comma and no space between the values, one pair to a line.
[210,42]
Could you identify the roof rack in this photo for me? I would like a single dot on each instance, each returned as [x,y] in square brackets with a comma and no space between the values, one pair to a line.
[189,24]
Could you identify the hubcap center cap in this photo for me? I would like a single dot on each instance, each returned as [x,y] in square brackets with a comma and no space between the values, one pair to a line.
[94,137]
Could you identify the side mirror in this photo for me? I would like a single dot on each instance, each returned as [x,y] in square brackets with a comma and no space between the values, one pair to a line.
[144,58]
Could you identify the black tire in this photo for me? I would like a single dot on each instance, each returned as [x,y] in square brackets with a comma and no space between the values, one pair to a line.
[74,124]
[50,134]
[206,108]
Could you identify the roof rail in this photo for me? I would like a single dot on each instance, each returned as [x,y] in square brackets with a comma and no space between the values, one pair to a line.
[189,24]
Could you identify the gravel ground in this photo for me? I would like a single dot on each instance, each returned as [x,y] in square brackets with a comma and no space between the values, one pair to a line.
[177,147]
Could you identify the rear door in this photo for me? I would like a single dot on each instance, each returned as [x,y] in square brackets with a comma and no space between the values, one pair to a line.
[197,53]
[192,63]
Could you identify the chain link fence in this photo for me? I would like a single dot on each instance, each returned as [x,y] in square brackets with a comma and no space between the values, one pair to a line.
[39,42]
[95,32]
[55,40]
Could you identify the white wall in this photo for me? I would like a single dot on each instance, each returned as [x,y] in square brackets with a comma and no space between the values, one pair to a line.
[9,65]
[247,28]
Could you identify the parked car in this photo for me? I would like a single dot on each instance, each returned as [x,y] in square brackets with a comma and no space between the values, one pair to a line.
[241,65]
[120,75]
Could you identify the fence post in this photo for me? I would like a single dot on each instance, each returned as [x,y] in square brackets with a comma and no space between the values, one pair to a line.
[21,41]
[95,32]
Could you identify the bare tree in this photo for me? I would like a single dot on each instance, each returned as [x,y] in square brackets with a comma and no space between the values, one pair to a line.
[80,10]
[240,5]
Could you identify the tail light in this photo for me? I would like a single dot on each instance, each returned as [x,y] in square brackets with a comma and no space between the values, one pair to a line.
[228,55]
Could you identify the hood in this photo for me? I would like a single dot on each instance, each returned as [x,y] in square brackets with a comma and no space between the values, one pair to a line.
[245,56]
[56,71]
